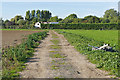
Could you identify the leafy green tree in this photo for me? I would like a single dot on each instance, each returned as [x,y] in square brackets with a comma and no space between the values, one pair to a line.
[118,19]
[27,17]
[103,20]
[54,19]
[45,15]
[27,24]
[34,20]
[16,18]
[60,19]
[32,14]
[71,16]
[9,23]
[69,19]
[77,20]
[1,23]
[12,19]
[92,19]
[112,15]
[114,20]
[42,14]
[6,21]
[21,22]
[88,17]
[38,15]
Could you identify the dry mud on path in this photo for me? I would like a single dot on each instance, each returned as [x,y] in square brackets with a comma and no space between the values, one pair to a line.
[56,58]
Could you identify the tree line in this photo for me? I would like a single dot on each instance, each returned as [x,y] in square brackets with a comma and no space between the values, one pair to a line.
[29,20]
[31,17]
[110,16]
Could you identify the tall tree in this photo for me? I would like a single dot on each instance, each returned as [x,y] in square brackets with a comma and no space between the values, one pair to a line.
[38,15]
[32,14]
[27,17]
[112,15]
[34,20]
[45,15]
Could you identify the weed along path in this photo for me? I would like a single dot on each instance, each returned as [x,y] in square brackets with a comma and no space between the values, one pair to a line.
[56,58]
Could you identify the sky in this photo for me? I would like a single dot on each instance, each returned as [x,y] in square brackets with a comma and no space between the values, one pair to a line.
[61,9]
[60,0]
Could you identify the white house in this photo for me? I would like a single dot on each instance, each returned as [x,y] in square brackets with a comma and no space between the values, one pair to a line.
[38,25]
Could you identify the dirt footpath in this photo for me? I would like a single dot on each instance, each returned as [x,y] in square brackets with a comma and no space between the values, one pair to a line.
[56,58]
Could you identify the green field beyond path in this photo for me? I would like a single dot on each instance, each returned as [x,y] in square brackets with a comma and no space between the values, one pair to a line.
[107,36]
[107,60]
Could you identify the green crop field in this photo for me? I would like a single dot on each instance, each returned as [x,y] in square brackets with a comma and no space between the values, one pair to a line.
[107,36]
[103,59]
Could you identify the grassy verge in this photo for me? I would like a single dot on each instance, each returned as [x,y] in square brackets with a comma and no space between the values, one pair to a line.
[103,59]
[13,58]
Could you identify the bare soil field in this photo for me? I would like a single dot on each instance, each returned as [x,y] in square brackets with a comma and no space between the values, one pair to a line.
[56,58]
[13,37]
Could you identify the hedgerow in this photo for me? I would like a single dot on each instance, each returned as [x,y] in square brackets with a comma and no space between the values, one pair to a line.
[87,26]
